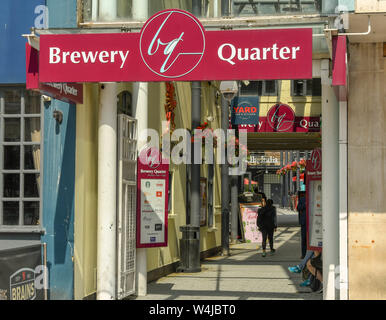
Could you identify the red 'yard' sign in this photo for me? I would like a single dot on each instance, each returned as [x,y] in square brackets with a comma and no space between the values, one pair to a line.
[173,45]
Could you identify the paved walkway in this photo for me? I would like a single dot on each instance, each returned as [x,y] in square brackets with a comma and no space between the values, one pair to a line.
[244,275]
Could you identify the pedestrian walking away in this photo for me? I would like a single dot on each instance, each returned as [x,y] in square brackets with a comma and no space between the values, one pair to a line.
[267,224]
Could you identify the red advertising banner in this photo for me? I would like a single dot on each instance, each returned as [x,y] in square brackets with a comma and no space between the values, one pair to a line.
[68,92]
[173,45]
[152,199]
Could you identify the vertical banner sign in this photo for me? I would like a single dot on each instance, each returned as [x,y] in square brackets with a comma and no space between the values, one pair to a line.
[67,92]
[21,274]
[152,199]
[314,201]
[248,213]
[245,110]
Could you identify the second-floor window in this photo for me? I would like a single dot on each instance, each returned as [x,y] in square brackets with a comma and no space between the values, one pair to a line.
[260,88]
[303,88]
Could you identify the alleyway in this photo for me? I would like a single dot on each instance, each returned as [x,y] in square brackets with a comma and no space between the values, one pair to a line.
[244,275]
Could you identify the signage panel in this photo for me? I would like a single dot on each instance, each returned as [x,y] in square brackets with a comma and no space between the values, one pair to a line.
[21,273]
[68,92]
[245,110]
[314,201]
[173,45]
[248,215]
[152,199]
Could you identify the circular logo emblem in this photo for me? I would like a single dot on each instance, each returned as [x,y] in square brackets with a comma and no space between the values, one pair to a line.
[316,160]
[281,118]
[172,43]
[150,157]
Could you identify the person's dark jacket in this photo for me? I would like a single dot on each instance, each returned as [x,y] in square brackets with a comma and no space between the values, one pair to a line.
[302,211]
[266,218]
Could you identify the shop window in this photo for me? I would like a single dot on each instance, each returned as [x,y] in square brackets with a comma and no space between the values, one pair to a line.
[20,159]
[260,88]
[93,10]
[310,87]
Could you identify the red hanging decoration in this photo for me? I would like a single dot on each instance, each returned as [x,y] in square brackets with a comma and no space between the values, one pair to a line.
[170,105]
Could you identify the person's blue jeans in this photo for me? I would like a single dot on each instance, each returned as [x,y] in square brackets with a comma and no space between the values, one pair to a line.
[309,254]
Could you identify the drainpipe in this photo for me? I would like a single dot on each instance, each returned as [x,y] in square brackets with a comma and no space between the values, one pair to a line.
[107,161]
[330,182]
[282,179]
[195,202]
[225,182]
[286,181]
[343,217]
[140,103]
[107,173]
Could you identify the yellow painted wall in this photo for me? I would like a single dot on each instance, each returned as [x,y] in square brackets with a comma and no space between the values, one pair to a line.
[303,106]
[86,170]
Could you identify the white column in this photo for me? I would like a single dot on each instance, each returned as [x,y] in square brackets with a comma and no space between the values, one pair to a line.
[107,161]
[343,215]
[330,183]
[140,103]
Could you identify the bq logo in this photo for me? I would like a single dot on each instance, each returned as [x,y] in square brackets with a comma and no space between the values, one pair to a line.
[22,285]
[172,43]
[316,160]
[281,118]
[150,157]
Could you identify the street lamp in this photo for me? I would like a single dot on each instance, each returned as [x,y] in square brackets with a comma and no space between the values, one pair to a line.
[228,90]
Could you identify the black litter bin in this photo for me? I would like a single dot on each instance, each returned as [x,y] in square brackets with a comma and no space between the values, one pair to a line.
[190,249]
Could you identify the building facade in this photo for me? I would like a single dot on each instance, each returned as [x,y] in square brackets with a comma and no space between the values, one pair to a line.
[50,170]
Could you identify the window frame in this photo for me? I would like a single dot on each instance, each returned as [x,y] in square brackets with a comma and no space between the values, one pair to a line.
[21,199]
[262,89]
[305,88]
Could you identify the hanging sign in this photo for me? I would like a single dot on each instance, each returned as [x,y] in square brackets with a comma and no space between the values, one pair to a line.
[68,92]
[173,46]
[152,199]
[245,110]
[21,275]
[281,118]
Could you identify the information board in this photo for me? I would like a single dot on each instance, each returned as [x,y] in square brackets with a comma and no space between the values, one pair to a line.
[314,201]
[152,199]
[248,215]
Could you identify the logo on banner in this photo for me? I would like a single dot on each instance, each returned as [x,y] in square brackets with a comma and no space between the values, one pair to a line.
[150,157]
[22,285]
[281,118]
[172,43]
[316,160]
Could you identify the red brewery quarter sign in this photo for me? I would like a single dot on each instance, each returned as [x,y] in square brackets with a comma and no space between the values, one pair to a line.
[152,199]
[68,92]
[173,45]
